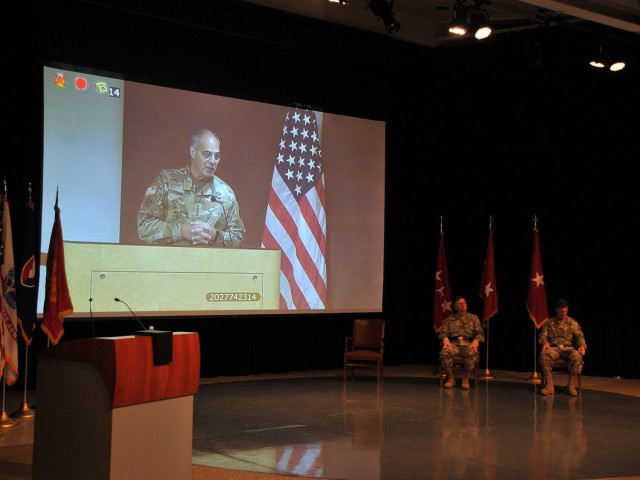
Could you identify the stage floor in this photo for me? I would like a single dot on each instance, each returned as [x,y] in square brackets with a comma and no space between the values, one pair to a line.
[410,428]
[315,425]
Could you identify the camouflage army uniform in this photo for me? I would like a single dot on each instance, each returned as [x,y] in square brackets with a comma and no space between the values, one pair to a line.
[176,197]
[564,337]
[461,330]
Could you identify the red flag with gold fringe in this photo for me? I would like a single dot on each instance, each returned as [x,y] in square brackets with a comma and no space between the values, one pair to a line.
[57,301]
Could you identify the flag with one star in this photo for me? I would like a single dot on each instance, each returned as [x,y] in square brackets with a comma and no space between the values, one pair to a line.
[537,294]
[488,285]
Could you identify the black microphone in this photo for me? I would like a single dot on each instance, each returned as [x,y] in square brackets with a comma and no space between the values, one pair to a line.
[132,313]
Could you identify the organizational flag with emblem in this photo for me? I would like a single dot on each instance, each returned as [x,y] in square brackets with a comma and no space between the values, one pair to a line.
[9,327]
[537,294]
[488,285]
[295,221]
[57,300]
[442,294]
[27,280]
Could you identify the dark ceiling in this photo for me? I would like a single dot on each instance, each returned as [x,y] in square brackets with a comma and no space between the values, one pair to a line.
[425,22]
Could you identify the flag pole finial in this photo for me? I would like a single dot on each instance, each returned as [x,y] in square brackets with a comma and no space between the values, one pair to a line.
[535,221]
[441,223]
[490,221]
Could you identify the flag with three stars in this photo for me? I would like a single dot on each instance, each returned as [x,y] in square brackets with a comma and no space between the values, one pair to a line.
[442,294]
[488,285]
[295,222]
[537,294]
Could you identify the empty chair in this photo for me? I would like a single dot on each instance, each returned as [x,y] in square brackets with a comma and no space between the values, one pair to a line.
[365,348]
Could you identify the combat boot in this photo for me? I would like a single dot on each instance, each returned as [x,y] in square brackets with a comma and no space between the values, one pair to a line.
[548,386]
[465,382]
[451,381]
[571,386]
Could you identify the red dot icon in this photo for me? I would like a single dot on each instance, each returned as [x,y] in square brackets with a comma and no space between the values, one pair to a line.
[81,83]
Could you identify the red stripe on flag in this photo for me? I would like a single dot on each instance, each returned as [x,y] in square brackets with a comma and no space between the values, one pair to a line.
[295,220]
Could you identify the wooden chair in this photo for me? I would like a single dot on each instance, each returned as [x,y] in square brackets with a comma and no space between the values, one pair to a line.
[561,364]
[365,348]
[458,365]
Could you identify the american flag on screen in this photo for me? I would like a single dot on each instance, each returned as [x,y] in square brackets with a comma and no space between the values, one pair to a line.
[295,221]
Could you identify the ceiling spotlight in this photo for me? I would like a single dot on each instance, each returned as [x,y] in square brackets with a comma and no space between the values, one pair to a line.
[480,24]
[383,9]
[341,2]
[460,19]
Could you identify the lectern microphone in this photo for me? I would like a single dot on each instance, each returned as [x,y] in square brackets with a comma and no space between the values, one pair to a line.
[132,312]
[162,341]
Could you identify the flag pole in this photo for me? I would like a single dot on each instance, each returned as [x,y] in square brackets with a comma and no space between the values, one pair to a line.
[535,378]
[25,411]
[487,373]
[5,420]
[436,371]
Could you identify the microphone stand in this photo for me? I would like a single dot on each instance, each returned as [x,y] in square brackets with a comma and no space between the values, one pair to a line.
[133,313]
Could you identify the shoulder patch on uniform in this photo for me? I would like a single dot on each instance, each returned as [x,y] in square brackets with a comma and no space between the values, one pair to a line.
[151,190]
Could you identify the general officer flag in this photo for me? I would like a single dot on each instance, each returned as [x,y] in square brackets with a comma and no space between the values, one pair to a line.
[295,221]
[537,294]
[57,300]
[442,294]
[488,285]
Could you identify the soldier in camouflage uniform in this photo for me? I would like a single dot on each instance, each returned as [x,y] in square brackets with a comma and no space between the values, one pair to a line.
[190,205]
[461,334]
[561,336]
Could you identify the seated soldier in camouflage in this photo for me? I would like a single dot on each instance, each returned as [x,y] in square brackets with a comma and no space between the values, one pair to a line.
[561,337]
[461,334]
[190,205]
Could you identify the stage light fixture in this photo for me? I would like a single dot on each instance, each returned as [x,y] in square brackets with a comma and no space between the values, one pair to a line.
[480,24]
[460,20]
[341,2]
[383,9]
[603,58]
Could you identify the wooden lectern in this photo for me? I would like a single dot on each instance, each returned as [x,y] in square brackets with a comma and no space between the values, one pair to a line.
[106,412]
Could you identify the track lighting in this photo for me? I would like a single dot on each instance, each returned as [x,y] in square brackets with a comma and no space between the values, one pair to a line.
[460,19]
[383,9]
[480,26]
[470,18]
[605,59]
